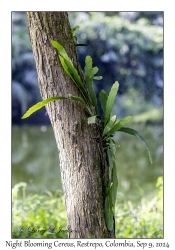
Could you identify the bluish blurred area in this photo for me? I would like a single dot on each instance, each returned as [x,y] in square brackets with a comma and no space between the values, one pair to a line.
[126,47]
[25,91]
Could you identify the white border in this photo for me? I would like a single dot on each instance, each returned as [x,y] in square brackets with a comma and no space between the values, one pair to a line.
[5,96]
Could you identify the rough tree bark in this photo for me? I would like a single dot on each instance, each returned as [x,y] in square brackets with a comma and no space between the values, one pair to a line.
[83,162]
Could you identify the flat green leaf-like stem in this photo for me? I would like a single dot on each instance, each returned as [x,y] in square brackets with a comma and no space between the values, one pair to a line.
[41,104]
[119,125]
[92,119]
[69,69]
[68,63]
[74,29]
[65,68]
[110,158]
[76,98]
[110,101]
[103,96]
[115,185]
[89,73]
[98,77]
[135,133]
[61,50]
[79,99]
[109,125]
[108,214]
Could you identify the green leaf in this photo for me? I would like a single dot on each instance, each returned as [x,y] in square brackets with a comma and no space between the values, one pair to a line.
[115,185]
[110,158]
[79,99]
[89,76]
[135,133]
[67,61]
[94,70]
[76,98]
[119,125]
[110,198]
[109,125]
[41,104]
[70,70]
[113,148]
[61,50]
[103,96]
[108,214]
[110,101]
[74,29]
[65,68]
[92,119]
[74,74]
[76,79]
[98,77]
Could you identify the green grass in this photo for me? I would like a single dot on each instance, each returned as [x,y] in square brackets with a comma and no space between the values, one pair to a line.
[44,216]
[144,220]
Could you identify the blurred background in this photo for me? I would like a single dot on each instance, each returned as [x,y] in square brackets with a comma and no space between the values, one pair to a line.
[126,47]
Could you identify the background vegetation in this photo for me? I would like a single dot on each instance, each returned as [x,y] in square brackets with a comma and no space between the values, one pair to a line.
[36,216]
[127,47]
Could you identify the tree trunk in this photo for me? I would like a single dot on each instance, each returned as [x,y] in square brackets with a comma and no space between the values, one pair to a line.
[83,162]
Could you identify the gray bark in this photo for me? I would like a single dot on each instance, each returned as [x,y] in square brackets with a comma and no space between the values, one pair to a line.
[82,158]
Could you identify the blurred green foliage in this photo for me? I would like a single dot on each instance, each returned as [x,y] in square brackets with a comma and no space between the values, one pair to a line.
[33,212]
[20,37]
[143,221]
[44,216]
[140,109]
[126,46]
